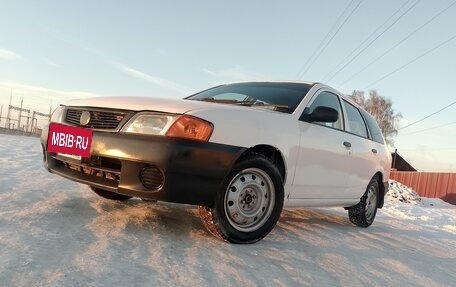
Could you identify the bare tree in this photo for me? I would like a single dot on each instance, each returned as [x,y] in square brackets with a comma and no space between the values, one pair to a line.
[381,109]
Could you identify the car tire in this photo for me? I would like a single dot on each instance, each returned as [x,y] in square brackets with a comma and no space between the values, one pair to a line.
[249,202]
[363,214]
[109,194]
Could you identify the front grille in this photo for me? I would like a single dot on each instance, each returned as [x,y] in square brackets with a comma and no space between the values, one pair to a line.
[99,119]
[151,177]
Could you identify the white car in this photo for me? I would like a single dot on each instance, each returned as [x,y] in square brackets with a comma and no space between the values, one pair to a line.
[239,151]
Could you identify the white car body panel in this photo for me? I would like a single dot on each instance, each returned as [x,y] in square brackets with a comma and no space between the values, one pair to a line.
[314,156]
[321,171]
[314,177]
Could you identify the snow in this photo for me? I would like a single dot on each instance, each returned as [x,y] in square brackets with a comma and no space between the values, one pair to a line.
[54,232]
[402,193]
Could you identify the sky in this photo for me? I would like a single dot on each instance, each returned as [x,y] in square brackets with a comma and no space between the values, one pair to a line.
[53,51]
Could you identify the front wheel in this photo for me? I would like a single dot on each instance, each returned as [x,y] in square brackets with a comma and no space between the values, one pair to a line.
[249,203]
[363,214]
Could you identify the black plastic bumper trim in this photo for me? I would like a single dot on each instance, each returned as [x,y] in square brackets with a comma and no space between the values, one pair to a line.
[193,171]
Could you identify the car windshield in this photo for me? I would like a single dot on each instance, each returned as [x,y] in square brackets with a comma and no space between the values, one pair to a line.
[282,97]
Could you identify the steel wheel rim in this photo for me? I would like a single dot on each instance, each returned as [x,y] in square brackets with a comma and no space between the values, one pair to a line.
[371,203]
[249,200]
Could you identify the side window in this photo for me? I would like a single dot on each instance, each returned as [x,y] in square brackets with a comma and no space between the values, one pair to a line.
[327,99]
[356,123]
[374,129]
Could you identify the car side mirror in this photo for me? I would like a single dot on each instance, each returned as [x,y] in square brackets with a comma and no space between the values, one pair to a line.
[320,114]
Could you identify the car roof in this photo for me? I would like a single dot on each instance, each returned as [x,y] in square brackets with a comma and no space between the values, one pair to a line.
[272,81]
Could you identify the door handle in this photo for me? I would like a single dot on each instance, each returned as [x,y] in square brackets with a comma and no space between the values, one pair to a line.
[347,144]
[374,150]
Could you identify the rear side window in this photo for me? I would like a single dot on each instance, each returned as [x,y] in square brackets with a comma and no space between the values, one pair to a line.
[374,129]
[356,123]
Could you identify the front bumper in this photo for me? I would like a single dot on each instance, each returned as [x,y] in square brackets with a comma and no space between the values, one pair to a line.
[191,172]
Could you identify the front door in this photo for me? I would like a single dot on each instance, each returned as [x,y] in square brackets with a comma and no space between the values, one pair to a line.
[323,167]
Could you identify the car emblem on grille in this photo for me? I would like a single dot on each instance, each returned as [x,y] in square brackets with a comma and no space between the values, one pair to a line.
[85,118]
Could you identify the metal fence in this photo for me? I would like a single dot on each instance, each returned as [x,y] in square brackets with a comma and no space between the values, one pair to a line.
[429,184]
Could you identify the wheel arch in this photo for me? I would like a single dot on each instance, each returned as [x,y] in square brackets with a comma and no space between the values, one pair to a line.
[381,188]
[273,154]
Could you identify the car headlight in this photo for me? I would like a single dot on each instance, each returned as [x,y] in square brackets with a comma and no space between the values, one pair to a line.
[149,123]
[57,115]
[189,127]
[184,126]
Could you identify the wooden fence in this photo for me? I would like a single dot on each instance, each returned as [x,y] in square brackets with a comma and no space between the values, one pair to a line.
[429,184]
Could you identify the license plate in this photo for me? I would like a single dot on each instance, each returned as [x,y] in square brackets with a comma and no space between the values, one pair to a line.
[70,156]
[72,141]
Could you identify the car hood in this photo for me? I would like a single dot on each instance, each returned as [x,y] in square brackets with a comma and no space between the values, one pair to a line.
[175,106]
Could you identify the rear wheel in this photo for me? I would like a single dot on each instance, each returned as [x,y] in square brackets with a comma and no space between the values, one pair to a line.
[363,214]
[109,194]
[249,203]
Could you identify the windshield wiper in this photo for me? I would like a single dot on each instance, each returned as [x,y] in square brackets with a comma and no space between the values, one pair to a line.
[247,103]
[223,101]
[260,104]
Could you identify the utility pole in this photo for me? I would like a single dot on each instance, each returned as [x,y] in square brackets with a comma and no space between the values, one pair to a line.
[13,122]
[28,122]
[20,110]
[34,128]
[394,158]
[20,115]
[7,125]
[35,120]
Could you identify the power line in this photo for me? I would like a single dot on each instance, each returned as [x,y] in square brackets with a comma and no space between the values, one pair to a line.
[332,37]
[412,61]
[375,39]
[324,39]
[428,116]
[428,129]
[360,45]
[398,43]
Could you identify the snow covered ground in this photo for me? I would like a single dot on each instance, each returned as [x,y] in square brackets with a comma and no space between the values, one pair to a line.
[54,232]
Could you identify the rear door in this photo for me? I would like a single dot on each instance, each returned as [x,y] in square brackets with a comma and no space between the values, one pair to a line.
[362,158]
